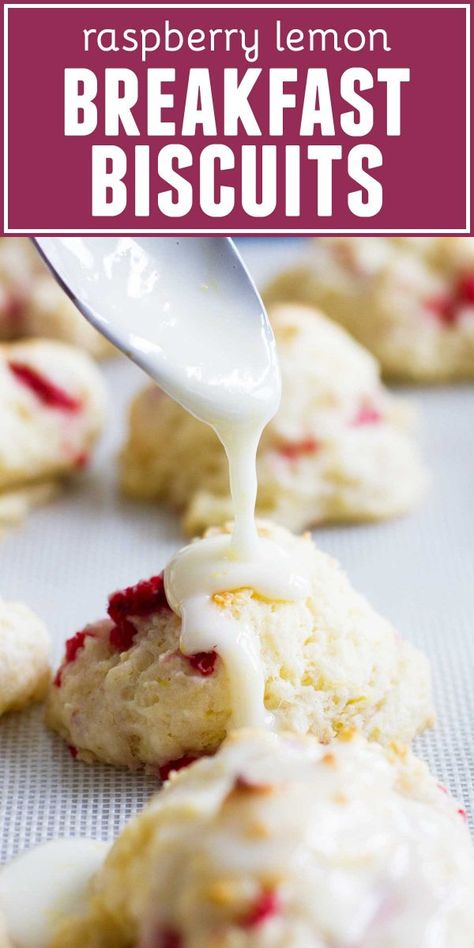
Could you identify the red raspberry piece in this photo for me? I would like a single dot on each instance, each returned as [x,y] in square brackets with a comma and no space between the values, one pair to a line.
[82,459]
[14,308]
[466,289]
[266,905]
[297,449]
[203,662]
[47,392]
[367,415]
[72,750]
[179,764]
[447,307]
[140,600]
[72,647]
[444,307]
[168,938]
[121,636]
[74,644]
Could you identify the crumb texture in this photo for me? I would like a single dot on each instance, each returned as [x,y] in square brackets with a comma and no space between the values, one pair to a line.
[131,698]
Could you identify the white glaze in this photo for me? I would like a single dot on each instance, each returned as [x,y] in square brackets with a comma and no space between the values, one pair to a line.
[216,356]
[210,347]
[188,313]
[41,886]
[210,566]
[365,850]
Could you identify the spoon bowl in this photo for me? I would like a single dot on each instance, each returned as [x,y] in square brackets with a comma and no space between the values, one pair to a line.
[185,310]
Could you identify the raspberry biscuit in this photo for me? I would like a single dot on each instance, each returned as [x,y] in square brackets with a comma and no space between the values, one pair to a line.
[24,658]
[280,842]
[339,449]
[126,694]
[52,410]
[33,304]
[410,300]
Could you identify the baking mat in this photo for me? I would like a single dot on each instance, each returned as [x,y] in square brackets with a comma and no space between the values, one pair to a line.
[63,562]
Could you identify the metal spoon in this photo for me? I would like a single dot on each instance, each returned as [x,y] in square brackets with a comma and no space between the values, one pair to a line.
[186,310]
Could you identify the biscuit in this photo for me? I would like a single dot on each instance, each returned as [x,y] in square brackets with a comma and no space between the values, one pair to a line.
[24,657]
[52,405]
[125,693]
[409,300]
[340,448]
[33,304]
[278,841]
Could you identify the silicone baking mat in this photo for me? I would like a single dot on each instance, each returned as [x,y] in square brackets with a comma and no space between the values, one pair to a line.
[419,571]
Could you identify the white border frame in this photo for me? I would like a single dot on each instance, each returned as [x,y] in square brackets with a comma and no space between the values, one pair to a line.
[240,6]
